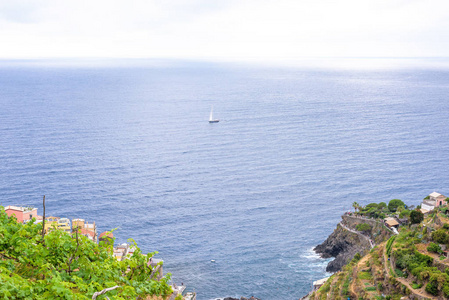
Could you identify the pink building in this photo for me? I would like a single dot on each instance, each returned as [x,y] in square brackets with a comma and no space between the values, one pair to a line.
[21,213]
[438,198]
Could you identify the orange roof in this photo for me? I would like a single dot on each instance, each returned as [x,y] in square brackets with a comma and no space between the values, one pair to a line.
[106,234]
[392,223]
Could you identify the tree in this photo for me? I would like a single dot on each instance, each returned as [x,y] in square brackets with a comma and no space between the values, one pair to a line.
[356,206]
[394,204]
[405,213]
[416,217]
[382,205]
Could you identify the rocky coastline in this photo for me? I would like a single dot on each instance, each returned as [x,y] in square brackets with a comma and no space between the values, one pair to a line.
[343,244]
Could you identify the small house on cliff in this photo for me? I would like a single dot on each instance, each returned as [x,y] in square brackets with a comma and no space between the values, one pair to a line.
[391,222]
[433,200]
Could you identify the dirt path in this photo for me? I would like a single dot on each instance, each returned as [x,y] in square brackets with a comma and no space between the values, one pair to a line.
[360,265]
[419,292]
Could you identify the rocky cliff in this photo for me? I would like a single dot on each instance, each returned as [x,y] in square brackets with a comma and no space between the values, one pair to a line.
[343,245]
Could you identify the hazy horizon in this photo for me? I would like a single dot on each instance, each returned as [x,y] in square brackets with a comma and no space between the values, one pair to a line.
[255,31]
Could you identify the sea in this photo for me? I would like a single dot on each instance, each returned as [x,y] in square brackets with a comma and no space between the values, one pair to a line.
[233,208]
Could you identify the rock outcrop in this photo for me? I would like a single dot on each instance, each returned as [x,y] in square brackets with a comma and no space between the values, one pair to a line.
[343,245]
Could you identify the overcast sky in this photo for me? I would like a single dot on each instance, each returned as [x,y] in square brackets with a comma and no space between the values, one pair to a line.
[277,30]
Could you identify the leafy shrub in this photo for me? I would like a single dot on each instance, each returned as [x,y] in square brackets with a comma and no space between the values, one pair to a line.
[410,260]
[432,288]
[440,236]
[357,257]
[363,227]
[434,248]
[399,273]
[416,285]
[365,276]
[405,213]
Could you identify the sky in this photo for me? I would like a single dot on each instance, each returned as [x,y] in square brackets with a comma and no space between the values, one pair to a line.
[244,30]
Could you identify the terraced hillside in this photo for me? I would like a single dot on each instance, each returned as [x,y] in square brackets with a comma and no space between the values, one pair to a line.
[410,265]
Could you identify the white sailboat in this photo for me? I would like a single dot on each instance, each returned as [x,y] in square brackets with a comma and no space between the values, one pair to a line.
[211,116]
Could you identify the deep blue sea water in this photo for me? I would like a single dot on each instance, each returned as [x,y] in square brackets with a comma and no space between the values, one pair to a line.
[127,144]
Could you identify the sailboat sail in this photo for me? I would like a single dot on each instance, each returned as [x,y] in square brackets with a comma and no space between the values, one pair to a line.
[211,116]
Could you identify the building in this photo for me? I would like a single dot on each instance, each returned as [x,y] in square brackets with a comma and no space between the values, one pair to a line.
[21,213]
[87,229]
[433,200]
[424,211]
[121,251]
[391,222]
[64,224]
[439,199]
[51,223]
[107,237]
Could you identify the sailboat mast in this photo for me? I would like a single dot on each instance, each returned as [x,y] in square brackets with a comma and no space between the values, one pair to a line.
[211,114]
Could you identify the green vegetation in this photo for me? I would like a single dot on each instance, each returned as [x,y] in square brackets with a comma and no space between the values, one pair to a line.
[405,213]
[399,273]
[416,285]
[416,217]
[61,266]
[440,236]
[434,248]
[365,275]
[363,227]
[389,244]
[394,204]
[404,255]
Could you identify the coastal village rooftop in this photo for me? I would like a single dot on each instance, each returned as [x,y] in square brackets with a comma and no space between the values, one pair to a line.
[24,214]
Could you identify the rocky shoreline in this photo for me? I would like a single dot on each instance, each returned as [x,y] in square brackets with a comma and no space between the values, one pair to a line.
[343,245]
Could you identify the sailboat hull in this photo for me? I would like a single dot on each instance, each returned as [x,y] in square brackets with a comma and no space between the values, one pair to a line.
[214,121]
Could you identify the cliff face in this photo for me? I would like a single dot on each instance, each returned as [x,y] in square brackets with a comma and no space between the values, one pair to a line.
[343,245]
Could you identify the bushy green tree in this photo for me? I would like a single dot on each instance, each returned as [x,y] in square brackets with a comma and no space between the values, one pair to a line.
[405,213]
[394,204]
[381,206]
[62,266]
[416,217]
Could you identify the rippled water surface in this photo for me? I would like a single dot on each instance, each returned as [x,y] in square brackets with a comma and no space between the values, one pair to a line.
[129,146]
